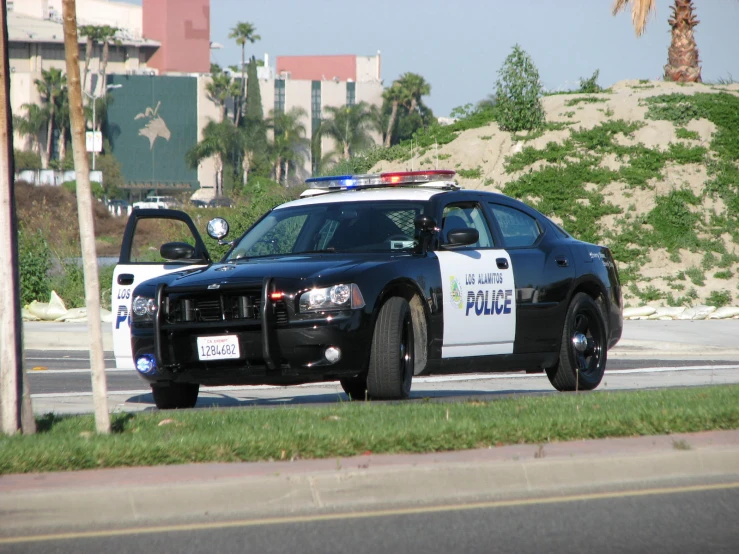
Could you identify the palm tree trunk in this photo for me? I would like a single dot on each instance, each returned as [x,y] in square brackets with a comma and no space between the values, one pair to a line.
[347,151]
[414,104]
[391,124]
[219,175]
[242,88]
[84,211]
[245,168]
[278,170]
[62,143]
[50,131]
[104,67]
[682,65]
[88,55]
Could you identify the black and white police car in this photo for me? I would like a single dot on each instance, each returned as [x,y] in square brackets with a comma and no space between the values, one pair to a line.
[369,280]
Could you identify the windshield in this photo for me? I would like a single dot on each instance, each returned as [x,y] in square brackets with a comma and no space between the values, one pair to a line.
[337,227]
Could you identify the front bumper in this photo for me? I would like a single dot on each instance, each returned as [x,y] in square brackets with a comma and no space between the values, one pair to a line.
[272,350]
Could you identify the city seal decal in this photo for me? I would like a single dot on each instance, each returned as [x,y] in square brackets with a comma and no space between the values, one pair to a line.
[455,292]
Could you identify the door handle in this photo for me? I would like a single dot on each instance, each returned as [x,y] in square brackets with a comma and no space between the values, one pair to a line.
[562,261]
[502,263]
[125,279]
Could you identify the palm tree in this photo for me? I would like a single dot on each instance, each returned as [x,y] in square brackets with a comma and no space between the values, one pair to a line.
[31,125]
[107,35]
[243,32]
[350,128]
[218,141]
[395,95]
[415,87]
[94,34]
[290,147]
[221,88]
[62,122]
[50,87]
[682,65]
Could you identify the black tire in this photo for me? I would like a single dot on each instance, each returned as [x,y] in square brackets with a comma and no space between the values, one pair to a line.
[355,387]
[175,396]
[392,356]
[583,352]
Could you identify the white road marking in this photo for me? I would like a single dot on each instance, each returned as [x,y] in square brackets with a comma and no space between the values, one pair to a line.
[56,371]
[431,379]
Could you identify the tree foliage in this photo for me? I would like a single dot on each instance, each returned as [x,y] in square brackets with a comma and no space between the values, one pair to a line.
[518,93]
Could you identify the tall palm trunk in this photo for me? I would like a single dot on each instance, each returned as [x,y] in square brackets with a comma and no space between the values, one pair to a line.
[50,130]
[242,87]
[85,217]
[219,175]
[391,124]
[62,143]
[245,162]
[104,66]
[88,55]
[682,65]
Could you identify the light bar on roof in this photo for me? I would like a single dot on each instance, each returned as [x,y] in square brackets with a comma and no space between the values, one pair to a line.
[397,178]
[416,177]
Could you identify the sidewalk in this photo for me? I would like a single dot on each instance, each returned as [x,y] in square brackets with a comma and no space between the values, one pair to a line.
[133,496]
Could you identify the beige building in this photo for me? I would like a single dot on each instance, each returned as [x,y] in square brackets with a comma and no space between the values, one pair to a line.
[310,82]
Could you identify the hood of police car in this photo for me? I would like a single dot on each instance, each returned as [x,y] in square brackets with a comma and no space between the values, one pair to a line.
[310,268]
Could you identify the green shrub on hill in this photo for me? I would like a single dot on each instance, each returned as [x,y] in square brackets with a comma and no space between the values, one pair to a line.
[518,93]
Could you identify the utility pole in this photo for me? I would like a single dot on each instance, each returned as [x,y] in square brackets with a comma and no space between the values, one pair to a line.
[84,210]
[15,401]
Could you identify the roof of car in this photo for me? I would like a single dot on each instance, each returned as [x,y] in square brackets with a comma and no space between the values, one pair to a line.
[367,195]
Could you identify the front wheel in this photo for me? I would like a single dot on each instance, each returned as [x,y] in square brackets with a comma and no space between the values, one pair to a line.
[583,353]
[392,357]
[175,395]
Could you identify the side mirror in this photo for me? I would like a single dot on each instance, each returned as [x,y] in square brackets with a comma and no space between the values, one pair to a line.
[177,251]
[217,228]
[461,237]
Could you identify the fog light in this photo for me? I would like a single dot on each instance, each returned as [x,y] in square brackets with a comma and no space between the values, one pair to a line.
[146,364]
[332,354]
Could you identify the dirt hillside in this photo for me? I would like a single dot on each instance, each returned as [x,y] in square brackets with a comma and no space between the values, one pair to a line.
[655,172]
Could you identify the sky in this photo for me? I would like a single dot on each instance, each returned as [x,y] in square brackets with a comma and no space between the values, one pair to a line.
[458,46]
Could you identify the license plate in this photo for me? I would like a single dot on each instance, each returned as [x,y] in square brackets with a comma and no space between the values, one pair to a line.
[223,347]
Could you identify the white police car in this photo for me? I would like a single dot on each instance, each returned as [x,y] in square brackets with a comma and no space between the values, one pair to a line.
[370,280]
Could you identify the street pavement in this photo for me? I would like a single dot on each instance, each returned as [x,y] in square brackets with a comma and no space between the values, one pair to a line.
[655,479]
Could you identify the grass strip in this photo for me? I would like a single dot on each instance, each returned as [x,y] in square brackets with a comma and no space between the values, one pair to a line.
[346,429]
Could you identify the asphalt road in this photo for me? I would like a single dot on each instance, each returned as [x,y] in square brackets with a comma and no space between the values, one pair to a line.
[685,517]
[60,383]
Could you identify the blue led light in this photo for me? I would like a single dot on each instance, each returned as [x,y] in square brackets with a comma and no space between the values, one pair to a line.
[146,364]
[328,178]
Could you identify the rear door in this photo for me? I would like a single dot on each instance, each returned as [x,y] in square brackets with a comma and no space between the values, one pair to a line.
[140,260]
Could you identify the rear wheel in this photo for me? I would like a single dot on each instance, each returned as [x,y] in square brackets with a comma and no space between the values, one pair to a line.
[392,357]
[175,395]
[583,353]
[355,387]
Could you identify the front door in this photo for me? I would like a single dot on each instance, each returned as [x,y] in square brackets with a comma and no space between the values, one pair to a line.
[479,292]
[140,260]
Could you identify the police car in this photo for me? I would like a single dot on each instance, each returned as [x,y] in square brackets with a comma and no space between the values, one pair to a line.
[369,280]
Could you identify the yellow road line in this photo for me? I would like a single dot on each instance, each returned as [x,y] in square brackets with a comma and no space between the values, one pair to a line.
[361,515]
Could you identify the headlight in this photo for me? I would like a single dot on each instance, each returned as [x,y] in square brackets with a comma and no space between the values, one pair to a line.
[338,297]
[143,306]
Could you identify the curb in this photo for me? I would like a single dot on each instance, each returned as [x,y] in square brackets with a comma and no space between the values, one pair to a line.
[132,496]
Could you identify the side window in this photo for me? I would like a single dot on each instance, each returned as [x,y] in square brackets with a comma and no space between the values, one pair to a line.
[468,214]
[518,228]
[151,233]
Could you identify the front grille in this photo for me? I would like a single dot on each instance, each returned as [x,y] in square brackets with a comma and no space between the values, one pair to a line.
[209,307]
[212,307]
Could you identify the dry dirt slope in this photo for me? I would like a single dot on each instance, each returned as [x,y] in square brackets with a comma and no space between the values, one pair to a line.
[657,275]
